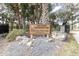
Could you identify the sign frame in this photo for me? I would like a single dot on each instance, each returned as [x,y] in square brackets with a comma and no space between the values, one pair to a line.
[39,29]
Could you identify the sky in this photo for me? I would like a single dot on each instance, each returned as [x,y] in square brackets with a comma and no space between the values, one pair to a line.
[56,9]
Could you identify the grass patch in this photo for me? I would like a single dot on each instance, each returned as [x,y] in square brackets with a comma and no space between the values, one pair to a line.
[13,34]
[71,48]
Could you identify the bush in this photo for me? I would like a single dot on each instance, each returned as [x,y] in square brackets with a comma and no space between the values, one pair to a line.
[13,34]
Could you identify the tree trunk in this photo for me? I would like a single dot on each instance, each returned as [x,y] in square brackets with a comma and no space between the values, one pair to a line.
[45,14]
[18,14]
[11,24]
[72,24]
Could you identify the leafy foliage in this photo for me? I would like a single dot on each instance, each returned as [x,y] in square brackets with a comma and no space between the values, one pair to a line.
[13,34]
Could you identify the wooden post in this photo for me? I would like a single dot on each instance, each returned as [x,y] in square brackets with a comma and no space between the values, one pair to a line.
[31,36]
[47,36]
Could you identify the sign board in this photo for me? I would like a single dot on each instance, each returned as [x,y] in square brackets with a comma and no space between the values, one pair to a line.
[39,29]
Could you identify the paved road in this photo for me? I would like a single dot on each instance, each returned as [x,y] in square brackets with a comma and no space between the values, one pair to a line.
[76,35]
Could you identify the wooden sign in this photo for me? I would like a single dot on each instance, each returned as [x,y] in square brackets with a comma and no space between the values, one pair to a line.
[39,29]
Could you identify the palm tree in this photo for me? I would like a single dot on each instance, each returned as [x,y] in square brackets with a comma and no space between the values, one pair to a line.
[38,12]
[45,13]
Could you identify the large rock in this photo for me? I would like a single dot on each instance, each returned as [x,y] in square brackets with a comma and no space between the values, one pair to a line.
[59,36]
[24,40]
[18,38]
[27,42]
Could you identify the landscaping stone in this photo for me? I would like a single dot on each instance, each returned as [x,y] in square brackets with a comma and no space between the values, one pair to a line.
[22,39]
[17,50]
[40,46]
[18,38]
[51,40]
[59,36]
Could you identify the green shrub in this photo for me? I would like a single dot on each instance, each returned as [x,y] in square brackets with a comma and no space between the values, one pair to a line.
[13,34]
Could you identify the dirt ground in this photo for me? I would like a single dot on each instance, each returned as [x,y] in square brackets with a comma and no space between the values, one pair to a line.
[3,45]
